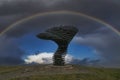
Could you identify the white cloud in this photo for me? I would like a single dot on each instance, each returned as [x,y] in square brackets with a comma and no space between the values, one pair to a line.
[44,58]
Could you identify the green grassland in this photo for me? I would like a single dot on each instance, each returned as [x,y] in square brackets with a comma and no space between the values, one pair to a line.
[49,72]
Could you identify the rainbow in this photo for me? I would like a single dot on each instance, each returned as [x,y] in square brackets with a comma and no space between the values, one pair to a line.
[59,12]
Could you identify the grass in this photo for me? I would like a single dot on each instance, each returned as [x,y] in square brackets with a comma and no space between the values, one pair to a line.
[46,72]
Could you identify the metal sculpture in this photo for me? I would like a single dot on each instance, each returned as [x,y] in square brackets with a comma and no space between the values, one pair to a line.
[62,35]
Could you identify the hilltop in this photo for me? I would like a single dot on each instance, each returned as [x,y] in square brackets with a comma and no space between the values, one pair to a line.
[49,72]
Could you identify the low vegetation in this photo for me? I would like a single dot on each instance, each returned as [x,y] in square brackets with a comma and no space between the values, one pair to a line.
[49,72]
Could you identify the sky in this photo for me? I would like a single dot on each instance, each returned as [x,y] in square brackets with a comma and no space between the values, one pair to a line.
[95,44]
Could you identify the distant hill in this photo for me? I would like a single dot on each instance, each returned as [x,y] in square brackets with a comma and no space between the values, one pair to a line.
[49,72]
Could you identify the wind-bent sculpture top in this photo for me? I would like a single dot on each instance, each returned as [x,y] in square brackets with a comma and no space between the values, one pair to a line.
[62,35]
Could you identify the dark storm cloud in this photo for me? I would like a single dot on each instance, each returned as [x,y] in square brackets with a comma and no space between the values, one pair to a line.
[106,45]
[10,53]
[10,7]
[13,10]
[7,20]
[106,10]
[102,9]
